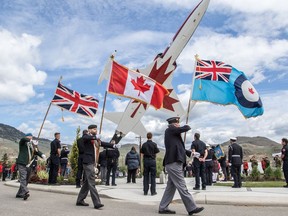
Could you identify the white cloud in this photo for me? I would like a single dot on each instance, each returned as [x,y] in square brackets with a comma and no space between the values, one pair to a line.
[252,55]
[18,74]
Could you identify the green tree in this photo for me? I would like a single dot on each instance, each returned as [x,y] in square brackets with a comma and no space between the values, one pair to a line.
[5,157]
[73,156]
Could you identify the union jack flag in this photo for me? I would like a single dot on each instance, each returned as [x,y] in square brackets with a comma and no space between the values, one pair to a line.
[212,70]
[74,101]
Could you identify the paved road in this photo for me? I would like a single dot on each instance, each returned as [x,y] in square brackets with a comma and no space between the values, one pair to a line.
[45,203]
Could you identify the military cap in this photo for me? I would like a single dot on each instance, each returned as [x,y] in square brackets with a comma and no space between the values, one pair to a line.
[173,120]
[92,126]
[233,138]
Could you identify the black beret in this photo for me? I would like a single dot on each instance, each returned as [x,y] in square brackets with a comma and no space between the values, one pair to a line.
[92,126]
[173,120]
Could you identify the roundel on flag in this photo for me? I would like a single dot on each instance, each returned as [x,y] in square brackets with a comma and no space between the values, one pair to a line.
[246,94]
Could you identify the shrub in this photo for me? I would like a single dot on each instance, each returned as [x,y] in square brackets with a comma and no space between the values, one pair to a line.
[277,174]
[60,179]
[269,174]
[255,174]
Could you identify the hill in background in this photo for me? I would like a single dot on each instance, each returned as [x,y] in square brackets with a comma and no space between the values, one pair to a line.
[259,146]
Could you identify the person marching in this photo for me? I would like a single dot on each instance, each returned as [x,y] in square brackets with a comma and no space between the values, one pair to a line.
[174,160]
[89,159]
[149,150]
[55,148]
[27,150]
[64,159]
[199,163]
[112,156]
[284,156]
[235,158]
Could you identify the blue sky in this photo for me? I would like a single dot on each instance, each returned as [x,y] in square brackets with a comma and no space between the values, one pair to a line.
[42,40]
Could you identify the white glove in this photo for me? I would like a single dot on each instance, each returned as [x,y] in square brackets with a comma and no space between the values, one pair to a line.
[35,142]
[117,146]
[43,156]
[196,154]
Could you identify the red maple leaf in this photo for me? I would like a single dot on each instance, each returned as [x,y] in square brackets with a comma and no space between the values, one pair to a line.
[139,85]
[251,90]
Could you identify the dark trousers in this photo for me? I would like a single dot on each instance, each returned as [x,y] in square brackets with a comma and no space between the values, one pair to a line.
[53,173]
[24,173]
[149,170]
[131,174]
[89,185]
[236,173]
[199,172]
[209,174]
[4,175]
[80,171]
[223,167]
[285,170]
[63,168]
[111,166]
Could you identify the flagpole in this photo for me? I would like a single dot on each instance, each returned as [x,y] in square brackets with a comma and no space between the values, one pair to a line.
[191,105]
[46,113]
[102,116]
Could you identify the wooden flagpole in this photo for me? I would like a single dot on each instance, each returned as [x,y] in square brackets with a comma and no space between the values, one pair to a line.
[103,110]
[46,113]
[191,104]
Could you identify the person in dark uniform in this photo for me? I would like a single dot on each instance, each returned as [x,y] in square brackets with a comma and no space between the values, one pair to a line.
[235,158]
[149,150]
[284,156]
[55,148]
[80,145]
[199,163]
[112,156]
[25,157]
[209,165]
[103,166]
[223,165]
[90,141]
[174,161]
[64,159]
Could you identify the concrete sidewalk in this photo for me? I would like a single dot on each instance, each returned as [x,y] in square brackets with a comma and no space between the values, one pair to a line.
[219,195]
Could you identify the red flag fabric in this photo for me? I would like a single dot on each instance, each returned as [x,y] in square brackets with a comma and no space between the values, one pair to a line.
[131,84]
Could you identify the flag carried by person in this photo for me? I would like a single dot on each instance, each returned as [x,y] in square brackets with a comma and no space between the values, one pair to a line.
[220,83]
[74,101]
[131,84]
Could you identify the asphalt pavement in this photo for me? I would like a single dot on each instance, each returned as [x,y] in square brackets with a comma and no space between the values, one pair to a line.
[213,195]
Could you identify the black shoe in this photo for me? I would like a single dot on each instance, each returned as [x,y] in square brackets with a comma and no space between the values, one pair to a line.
[78,186]
[153,194]
[167,211]
[235,186]
[203,188]
[19,196]
[145,194]
[107,184]
[197,210]
[82,203]
[98,206]
[196,188]
[285,186]
[25,197]
[114,184]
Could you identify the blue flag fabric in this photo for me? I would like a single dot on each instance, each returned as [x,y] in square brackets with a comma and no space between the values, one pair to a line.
[221,83]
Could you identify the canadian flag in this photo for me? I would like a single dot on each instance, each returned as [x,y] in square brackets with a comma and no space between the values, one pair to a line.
[131,84]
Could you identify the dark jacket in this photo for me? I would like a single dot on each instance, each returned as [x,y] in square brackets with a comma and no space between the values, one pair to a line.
[102,159]
[80,145]
[23,156]
[89,152]
[235,154]
[132,160]
[209,158]
[54,156]
[175,148]
[64,156]
[149,149]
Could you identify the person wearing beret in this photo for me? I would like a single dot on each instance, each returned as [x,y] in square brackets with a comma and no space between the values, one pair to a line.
[174,160]
[89,162]
[27,150]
